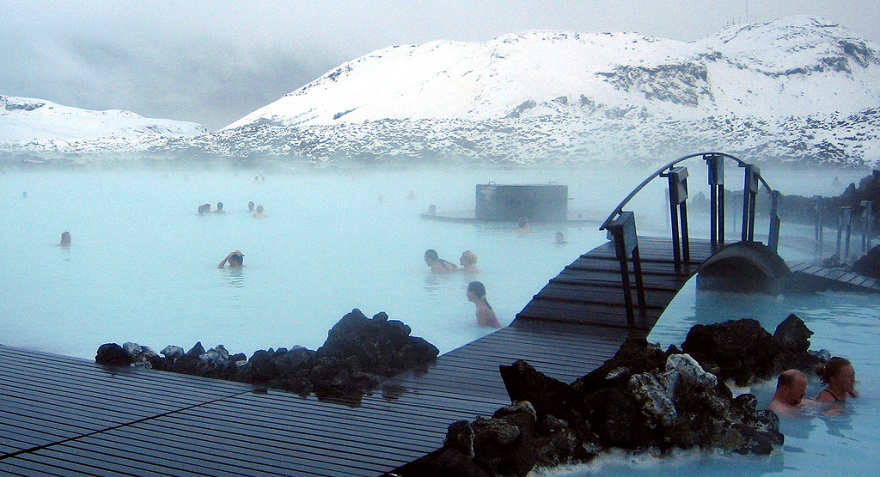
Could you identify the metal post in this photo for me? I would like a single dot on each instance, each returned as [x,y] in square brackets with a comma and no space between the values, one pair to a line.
[678,194]
[819,234]
[867,220]
[715,165]
[750,192]
[773,235]
[844,222]
[623,231]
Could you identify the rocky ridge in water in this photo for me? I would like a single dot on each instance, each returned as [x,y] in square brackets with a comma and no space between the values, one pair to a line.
[358,354]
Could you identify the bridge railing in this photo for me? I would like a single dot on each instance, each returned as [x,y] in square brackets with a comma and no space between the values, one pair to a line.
[621,227]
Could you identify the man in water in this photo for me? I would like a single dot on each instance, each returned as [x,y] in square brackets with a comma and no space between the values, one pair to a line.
[234,259]
[791,387]
[437,264]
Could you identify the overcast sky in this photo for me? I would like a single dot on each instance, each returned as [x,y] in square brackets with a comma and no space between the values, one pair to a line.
[212,62]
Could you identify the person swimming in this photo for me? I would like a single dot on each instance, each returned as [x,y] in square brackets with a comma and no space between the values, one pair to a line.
[219,208]
[437,264]
[476,294]
[235,259]
[523,226]
[839,376]
[468,262]
[560,238]
[251,207]
[260,214]
[65,239]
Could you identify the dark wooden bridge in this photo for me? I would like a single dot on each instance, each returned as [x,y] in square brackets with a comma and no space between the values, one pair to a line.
[65,416]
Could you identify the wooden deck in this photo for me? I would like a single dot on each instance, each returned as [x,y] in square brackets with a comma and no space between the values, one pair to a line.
[834,278]
[66,416]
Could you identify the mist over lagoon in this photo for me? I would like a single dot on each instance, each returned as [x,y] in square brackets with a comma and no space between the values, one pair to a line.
[142,264]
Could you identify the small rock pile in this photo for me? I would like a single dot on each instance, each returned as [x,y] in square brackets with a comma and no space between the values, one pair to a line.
[358,354]
[744,352]
[643,399]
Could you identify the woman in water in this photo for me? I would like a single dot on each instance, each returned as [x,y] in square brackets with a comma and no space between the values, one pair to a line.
[476,294]
[840,377]
[468,262]
[65,240]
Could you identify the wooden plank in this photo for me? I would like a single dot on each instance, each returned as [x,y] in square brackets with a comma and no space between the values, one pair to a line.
[602,295]
[30,466]
[591,314]
[193,456]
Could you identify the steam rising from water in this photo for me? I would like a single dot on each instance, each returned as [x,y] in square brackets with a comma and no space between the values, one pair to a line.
[142,266]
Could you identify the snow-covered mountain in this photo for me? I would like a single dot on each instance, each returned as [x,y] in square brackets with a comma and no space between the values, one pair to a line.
[798,89]
[798,66]
[36,124]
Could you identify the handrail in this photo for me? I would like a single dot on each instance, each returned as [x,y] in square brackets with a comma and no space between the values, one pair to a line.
[619,208]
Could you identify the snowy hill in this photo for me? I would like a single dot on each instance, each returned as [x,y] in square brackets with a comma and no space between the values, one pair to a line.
[791,67]
[795,90]
[35,124]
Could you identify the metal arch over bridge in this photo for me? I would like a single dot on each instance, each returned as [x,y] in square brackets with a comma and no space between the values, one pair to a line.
[678,194]
[621,225]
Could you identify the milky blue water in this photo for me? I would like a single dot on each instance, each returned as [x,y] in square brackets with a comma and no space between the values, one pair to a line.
[142,268]
[142,264]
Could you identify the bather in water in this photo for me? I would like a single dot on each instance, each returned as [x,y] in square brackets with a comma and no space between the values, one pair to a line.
[476,294]
[437,264]
[235,259]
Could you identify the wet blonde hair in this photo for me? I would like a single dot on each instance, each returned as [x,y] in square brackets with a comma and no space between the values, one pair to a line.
[469,256]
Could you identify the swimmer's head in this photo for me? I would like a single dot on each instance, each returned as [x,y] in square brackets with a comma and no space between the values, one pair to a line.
[65,238]
[431,255]
[259,209]
[236,258]
[250,206]
[219,205]
[468,257]
[523,222]
[477,288]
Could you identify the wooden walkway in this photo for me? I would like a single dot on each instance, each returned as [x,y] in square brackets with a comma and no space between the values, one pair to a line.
[589,290]
[65,416]
[834,278]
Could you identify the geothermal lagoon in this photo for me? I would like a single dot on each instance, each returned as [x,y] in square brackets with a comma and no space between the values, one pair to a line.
[142,267]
